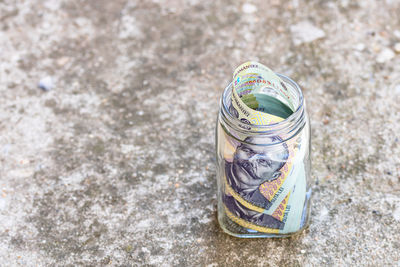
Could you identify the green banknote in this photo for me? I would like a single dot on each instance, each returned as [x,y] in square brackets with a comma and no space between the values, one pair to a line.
[265,186]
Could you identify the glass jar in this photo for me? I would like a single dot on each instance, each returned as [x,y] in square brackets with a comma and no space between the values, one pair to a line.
[263,172]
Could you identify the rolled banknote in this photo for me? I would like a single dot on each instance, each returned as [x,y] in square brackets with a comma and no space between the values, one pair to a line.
[264,185]
[267,104]
[251,219]
[260,177]
[286,218]
[251,78]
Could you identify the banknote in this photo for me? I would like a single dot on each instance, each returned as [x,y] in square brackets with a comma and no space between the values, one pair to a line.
[258,78]
[260,177]
[251,78]
[264,185]
[296,203]
[267,104]
[286,218]
[250,116]
[254,220]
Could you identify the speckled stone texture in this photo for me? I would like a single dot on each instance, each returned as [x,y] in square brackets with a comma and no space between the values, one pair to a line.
[114,164]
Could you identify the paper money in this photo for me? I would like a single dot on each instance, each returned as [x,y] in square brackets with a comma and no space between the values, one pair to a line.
[265,186]
[255,78]
[257,101]
[254,220]
[258,186]
[296,203]
[286,218]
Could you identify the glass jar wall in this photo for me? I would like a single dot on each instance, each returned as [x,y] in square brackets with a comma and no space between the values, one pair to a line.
[263,172]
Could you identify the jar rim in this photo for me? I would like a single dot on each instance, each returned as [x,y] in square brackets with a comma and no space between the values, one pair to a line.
[287,125]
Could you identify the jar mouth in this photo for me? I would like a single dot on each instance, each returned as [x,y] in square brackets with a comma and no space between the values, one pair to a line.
[285,126]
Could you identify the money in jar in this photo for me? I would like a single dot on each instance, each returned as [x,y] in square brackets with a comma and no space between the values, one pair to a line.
[263,155]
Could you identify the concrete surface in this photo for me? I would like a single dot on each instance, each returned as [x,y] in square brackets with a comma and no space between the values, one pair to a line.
[115,163]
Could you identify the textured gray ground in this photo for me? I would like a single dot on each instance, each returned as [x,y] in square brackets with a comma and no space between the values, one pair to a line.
[115,164]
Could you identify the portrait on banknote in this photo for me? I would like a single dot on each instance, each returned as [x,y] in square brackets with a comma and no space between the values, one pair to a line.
[252,166]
